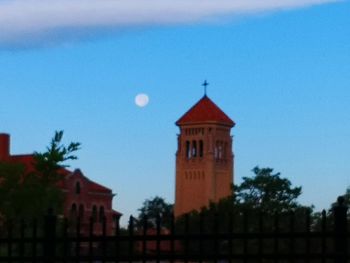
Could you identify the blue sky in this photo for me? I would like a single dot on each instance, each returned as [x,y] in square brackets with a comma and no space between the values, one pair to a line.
[281,72]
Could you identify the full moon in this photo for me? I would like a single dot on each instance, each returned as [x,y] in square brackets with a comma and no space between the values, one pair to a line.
[141,100]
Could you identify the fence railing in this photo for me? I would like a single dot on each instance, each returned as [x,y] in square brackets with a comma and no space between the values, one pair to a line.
[221,238]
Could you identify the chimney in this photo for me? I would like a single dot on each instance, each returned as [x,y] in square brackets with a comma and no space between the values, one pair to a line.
[4,146]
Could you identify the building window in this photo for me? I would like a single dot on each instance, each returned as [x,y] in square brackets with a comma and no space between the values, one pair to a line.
[194,148]
[73,211]
[94,213]
[101,214]
[200,148]
[81,212]
[77,188]
[216,150]
[188,150]
[220,151]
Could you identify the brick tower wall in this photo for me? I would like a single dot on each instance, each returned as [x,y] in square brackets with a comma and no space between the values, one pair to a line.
[207,176]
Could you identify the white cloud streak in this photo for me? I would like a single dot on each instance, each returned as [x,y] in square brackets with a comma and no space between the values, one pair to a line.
[26,21]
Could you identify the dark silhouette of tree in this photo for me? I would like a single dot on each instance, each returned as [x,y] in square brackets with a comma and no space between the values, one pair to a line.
[347,196]
[50,163]
[267,192]
[152,209]
[260,203]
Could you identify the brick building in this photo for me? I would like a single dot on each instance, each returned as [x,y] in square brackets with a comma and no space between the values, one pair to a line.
[83,197]
[204,158]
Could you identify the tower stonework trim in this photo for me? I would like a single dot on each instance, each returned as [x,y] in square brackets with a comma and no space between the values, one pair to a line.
[204,157]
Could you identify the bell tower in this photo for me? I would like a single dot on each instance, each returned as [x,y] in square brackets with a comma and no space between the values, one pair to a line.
[204,157]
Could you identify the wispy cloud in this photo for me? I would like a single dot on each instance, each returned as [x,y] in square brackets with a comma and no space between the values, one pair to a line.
[35,21]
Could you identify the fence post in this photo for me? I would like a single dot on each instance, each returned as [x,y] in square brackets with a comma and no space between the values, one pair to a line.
[49,236]
[340,229]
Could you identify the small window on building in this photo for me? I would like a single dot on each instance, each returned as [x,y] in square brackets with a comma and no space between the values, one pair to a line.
[101,214]
[220,151]
[216,150]
[188,150]
[81,211]
[194,148]
[73,211]
[77,188]
[200,148]
[94,213]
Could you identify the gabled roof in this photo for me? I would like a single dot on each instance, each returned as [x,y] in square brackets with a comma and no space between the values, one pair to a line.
[92,186]
[28,161]
[205,111]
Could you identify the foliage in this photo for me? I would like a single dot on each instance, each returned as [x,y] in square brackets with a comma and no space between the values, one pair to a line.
[347,196]
[265,195]
[26,195]
[49,163]
[264,202]
[267,192]
[152,209]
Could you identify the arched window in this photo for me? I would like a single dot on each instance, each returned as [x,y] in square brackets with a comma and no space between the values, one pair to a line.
[200,148]
[225,150]
[194,148]
[77,187]
[220,150]
[94,213]
[101,214]
[73,211]
[81,211]
[188,150]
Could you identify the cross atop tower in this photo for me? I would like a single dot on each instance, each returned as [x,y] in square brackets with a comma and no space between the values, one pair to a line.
[205,84]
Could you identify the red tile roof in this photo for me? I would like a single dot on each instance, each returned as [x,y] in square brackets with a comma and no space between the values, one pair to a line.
[95,187]
[204,111]
[116,213]
[92,186]
[28,161]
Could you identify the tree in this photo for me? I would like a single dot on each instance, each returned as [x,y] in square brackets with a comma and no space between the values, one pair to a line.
[49,163]
[152,209]
[267,192]
[10,189]
[347,196]
[29,195]
[259,203]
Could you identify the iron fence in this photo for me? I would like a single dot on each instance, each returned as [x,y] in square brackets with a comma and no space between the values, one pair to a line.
[241,237]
